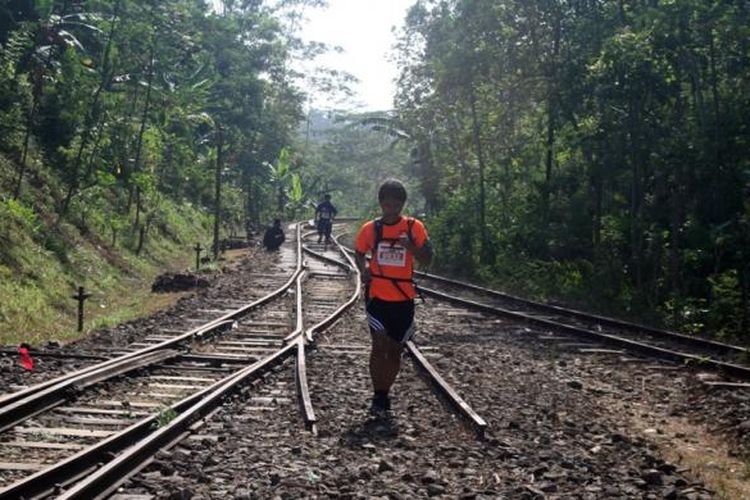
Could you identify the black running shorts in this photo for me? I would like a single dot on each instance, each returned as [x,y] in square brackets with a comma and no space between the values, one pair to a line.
[395,319]
[324,227]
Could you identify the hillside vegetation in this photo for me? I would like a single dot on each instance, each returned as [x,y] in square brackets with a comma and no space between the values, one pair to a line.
[125,127]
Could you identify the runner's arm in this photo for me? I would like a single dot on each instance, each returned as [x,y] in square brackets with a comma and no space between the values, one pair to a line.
[423,254]
[364,271]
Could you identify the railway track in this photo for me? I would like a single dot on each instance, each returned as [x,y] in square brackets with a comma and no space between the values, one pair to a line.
[254,448]
[228,402]
[671,346]
[189,314]
[56,430]
[730,360]
[81,435]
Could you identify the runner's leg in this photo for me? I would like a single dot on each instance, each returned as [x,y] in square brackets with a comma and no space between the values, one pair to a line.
[385,361]
[327,231]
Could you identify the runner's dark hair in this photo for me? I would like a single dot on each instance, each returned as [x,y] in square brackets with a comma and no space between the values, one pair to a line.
[392,189]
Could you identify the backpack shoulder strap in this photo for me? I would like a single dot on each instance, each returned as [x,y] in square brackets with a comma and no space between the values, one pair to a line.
[409,225]
[378,227]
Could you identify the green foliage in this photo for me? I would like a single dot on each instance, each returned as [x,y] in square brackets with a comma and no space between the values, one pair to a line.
[111,117]
[346,156]
[40,269]
[726,297]
[14,212]
[132,97]
[164,417]
[603,145]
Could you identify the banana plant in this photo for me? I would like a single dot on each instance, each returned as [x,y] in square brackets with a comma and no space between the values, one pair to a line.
[296,195]
[57,33]
[280,175]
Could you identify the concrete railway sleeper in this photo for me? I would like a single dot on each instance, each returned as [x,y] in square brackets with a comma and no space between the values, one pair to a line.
[727,359]
[47,422]
[546,437]
[433,378]
[208,328]
[228,293]
[323,287]
[105,480]
[226,343]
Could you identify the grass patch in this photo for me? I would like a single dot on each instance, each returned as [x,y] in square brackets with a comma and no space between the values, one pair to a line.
[41,268]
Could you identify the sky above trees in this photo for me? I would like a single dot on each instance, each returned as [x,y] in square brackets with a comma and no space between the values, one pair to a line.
[363,29]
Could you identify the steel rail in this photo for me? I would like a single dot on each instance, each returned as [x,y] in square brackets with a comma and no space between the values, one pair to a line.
[463,409]
[306,405]
[106,479]
[80,463]
[349,265]
[75,466]
[458,403]
[41,353]
[575,313]
[20,410]
[303,389]
[633,345]
[62,382]
[729,368]
[582,315]
[49,479]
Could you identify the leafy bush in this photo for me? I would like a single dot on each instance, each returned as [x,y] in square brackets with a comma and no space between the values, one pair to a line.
[14,212]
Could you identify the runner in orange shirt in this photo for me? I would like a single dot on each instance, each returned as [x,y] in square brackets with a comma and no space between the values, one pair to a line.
[394,242]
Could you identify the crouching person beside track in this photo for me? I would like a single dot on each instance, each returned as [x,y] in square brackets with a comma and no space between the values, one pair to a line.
[274,236]
[394,242]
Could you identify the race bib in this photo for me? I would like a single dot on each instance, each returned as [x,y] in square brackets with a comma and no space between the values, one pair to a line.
[391,255]
[325,215]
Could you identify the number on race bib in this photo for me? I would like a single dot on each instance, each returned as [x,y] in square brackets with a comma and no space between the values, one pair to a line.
[391,255]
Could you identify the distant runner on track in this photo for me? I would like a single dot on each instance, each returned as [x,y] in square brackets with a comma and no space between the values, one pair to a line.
[394,242]
[325,212]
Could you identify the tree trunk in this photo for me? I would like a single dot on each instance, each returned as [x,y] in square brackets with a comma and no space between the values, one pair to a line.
[676,220]
[92,115]
[253,208]
[217,188]
[597,183]
[142,128]
[484,244]
[141,238]
[715,101]
[548,160]
[551,75]
[636,194]
[31,117]
[26,138]
[744,275]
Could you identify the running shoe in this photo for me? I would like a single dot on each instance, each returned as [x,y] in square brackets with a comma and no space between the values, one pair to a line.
[381,404]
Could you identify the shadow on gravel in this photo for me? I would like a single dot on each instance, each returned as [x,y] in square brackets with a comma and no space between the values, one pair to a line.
[372,429]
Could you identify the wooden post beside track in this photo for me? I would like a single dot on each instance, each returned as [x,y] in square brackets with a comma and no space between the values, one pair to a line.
[198,248]
[81,297]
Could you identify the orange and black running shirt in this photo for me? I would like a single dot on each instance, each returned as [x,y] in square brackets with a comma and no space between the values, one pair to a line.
[391,265]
